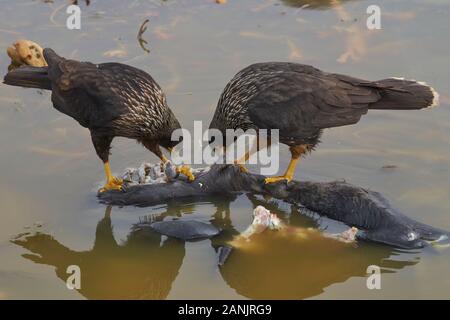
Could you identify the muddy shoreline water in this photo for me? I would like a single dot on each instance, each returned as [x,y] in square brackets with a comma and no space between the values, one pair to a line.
[50,173]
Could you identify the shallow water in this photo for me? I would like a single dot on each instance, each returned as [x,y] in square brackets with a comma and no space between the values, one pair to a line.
[49,171]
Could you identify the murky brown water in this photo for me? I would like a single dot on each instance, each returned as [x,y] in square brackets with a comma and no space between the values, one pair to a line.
[49,171]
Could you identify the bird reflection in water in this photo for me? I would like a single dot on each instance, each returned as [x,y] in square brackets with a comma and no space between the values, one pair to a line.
[143,267]
[272,265]
[278,265]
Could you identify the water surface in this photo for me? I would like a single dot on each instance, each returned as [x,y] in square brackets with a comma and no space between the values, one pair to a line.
[50,173]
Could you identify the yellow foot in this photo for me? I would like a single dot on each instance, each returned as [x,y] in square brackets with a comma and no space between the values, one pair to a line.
[277,179]
[242,168]
[187,171]
[113,184]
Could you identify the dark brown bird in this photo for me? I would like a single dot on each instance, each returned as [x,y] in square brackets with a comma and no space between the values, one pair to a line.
[110,99]
[300,101]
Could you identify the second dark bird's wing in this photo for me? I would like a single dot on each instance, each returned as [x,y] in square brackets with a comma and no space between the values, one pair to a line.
[299,103]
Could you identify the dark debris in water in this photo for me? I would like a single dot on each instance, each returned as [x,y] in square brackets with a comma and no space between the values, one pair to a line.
[187,230]
[141,40]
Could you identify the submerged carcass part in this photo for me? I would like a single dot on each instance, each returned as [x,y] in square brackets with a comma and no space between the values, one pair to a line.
[348,236]
[262,219]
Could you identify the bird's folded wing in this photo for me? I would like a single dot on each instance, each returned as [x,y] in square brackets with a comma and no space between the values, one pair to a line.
[310,102]
[102,89]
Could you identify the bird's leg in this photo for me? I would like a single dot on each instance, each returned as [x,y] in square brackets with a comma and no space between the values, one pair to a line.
[255,147]
[112,183]
[187,171]
[296,153]
[240,162]
[102,145]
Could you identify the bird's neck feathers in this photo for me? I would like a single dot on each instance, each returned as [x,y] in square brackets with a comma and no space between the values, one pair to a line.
[171,124]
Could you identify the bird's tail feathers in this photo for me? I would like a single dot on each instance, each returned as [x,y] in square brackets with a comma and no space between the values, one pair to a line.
[29,77]
[402,94]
